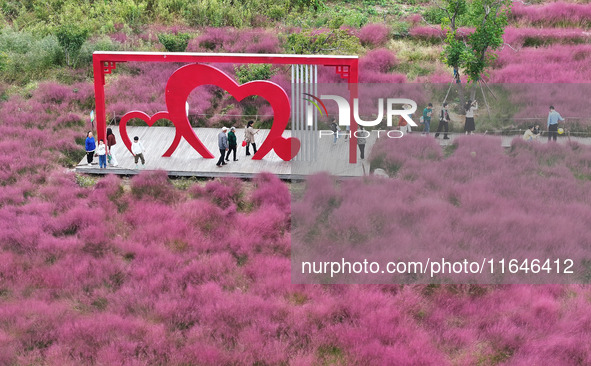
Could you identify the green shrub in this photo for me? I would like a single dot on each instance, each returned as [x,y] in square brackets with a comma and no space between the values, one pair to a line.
[174,42]
[355,19]
[277,12]
[217,13]
[246,73]
[434,15]
[337,41]
[24,57]
[400,29]
[71,37]
[101,44]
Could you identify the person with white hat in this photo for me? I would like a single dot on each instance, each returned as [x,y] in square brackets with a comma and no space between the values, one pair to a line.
[223,145]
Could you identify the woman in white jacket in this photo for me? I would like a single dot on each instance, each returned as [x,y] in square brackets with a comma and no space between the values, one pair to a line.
[249,133]
[470,107]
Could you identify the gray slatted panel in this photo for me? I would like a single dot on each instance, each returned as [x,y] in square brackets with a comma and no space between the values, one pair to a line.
[304,80]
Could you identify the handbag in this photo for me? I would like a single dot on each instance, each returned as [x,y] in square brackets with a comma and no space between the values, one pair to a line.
[243,143]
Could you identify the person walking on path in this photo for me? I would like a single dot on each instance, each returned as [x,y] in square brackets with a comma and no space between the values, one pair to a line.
[90,147]
[111,141]
[138,150]
[232,143]
[249,133]
[470,107]
[223,145]
[427,113]
[361,135]
[553,119]
[101,151]
[443,122]
[335,130]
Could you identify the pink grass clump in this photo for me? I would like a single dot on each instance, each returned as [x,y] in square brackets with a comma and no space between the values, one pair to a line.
[153,185]
[557,13]
[543,36]
[555,64]
[374,34]
[381,60]
[236,40]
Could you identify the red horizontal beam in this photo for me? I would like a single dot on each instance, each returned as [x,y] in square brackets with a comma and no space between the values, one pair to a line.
[103,56]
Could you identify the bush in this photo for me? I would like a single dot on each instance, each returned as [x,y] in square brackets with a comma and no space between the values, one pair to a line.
[380,60]
[174,42]
[217,13]
[71,38]
[334,41]
[99,44]
[154,185]
[246,73]
[374,35]
[24,57]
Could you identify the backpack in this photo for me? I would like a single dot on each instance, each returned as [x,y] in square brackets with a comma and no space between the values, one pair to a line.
[333,127]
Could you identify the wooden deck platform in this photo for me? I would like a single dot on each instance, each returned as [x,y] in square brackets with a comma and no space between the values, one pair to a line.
[185,161]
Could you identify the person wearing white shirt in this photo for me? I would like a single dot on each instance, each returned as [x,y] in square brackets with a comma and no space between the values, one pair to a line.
[101,151]
[137,149]
[470,107]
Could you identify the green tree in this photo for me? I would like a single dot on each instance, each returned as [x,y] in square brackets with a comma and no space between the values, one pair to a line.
[475,53]
[490,19]
[71,38]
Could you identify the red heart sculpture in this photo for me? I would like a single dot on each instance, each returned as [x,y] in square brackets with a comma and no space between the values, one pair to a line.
[182,82]
[286,149]
[150,122]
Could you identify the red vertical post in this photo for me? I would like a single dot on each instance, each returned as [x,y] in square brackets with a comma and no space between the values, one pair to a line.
[353,94]
[99,97]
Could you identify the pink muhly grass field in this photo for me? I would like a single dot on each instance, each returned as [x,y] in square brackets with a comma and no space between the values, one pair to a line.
[140,272]
[151,274]
[557,13]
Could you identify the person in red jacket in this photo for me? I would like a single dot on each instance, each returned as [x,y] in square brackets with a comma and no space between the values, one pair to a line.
[111,141]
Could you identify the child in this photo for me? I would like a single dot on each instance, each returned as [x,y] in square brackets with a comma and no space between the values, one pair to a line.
[101,151]
[137,149]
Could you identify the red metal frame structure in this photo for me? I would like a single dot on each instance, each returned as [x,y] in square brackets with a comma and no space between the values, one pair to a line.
[105,62]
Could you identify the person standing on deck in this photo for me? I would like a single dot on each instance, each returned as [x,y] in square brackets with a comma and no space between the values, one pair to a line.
[223,146]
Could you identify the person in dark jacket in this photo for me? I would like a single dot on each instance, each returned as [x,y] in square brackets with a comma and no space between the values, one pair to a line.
[223,146]
[90,147]
[111,141]
[232,143]
[443,122]
[361,135]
